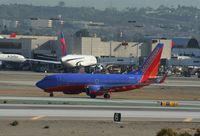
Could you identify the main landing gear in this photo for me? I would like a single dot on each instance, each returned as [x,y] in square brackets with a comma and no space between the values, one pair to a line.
[106,96]
[93,96]
[51,94]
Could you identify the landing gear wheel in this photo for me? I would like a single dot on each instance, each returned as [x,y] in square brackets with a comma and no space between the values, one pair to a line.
[106,96]
[51,95]
[93,96]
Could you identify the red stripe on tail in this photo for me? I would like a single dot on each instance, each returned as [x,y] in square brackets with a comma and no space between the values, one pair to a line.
[63,45]
[150,68]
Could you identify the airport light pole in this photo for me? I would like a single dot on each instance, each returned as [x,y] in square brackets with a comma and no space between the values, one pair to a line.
[110,48]
[140,44]
[137,50]
[137,54]
[91,44]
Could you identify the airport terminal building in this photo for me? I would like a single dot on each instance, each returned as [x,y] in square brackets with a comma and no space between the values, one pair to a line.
[29,46]
[185,52]
[95,46]
[111,52]
[48,47]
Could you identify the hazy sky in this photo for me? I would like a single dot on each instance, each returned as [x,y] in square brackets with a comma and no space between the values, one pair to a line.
[102,4]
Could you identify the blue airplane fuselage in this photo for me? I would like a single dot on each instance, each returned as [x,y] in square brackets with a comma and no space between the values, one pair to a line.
[63,82]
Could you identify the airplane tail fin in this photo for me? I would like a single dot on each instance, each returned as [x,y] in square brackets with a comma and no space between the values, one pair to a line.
[13,35]
[149,69]
[63,45]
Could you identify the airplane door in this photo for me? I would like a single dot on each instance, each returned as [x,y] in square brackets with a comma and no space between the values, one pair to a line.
[97,81]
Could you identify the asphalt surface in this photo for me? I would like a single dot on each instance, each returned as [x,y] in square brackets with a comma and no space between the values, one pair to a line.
[187,111]
[97,113]
[89,101]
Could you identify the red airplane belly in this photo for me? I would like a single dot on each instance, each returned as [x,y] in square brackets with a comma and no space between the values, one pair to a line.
[66,88]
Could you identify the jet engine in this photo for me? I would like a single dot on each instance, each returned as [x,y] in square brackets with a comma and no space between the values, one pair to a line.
[96,90]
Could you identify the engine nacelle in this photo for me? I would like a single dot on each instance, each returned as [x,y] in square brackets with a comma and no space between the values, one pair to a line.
[96,90]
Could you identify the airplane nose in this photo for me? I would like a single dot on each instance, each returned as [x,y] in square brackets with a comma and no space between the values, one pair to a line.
[40,84]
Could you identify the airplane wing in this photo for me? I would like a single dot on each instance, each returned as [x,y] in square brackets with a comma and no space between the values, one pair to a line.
[106,88]
[157,80]
[45,61]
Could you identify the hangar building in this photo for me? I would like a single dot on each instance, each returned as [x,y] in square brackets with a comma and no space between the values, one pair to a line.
[185,52]
[29,46]
[47,47]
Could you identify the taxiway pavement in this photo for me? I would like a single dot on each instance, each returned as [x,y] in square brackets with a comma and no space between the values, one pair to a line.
[187,111]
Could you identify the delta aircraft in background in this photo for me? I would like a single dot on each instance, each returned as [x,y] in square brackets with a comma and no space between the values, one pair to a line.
[103,84]
[67,60]
[73,60]
[12,58]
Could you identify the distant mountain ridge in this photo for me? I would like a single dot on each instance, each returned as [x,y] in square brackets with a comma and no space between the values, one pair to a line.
[119,4]
[163,21]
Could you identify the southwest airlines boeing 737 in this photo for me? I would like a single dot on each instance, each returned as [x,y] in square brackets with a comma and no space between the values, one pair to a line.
[103,84]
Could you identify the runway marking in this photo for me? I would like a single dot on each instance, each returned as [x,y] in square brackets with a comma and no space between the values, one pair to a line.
[37,117]
[187,120]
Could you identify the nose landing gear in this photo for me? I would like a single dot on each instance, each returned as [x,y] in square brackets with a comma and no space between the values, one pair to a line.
[51,94]
[106,96]
[93,96]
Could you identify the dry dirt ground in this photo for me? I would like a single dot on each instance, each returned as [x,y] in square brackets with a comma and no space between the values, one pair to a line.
[166,93]
[90,128]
